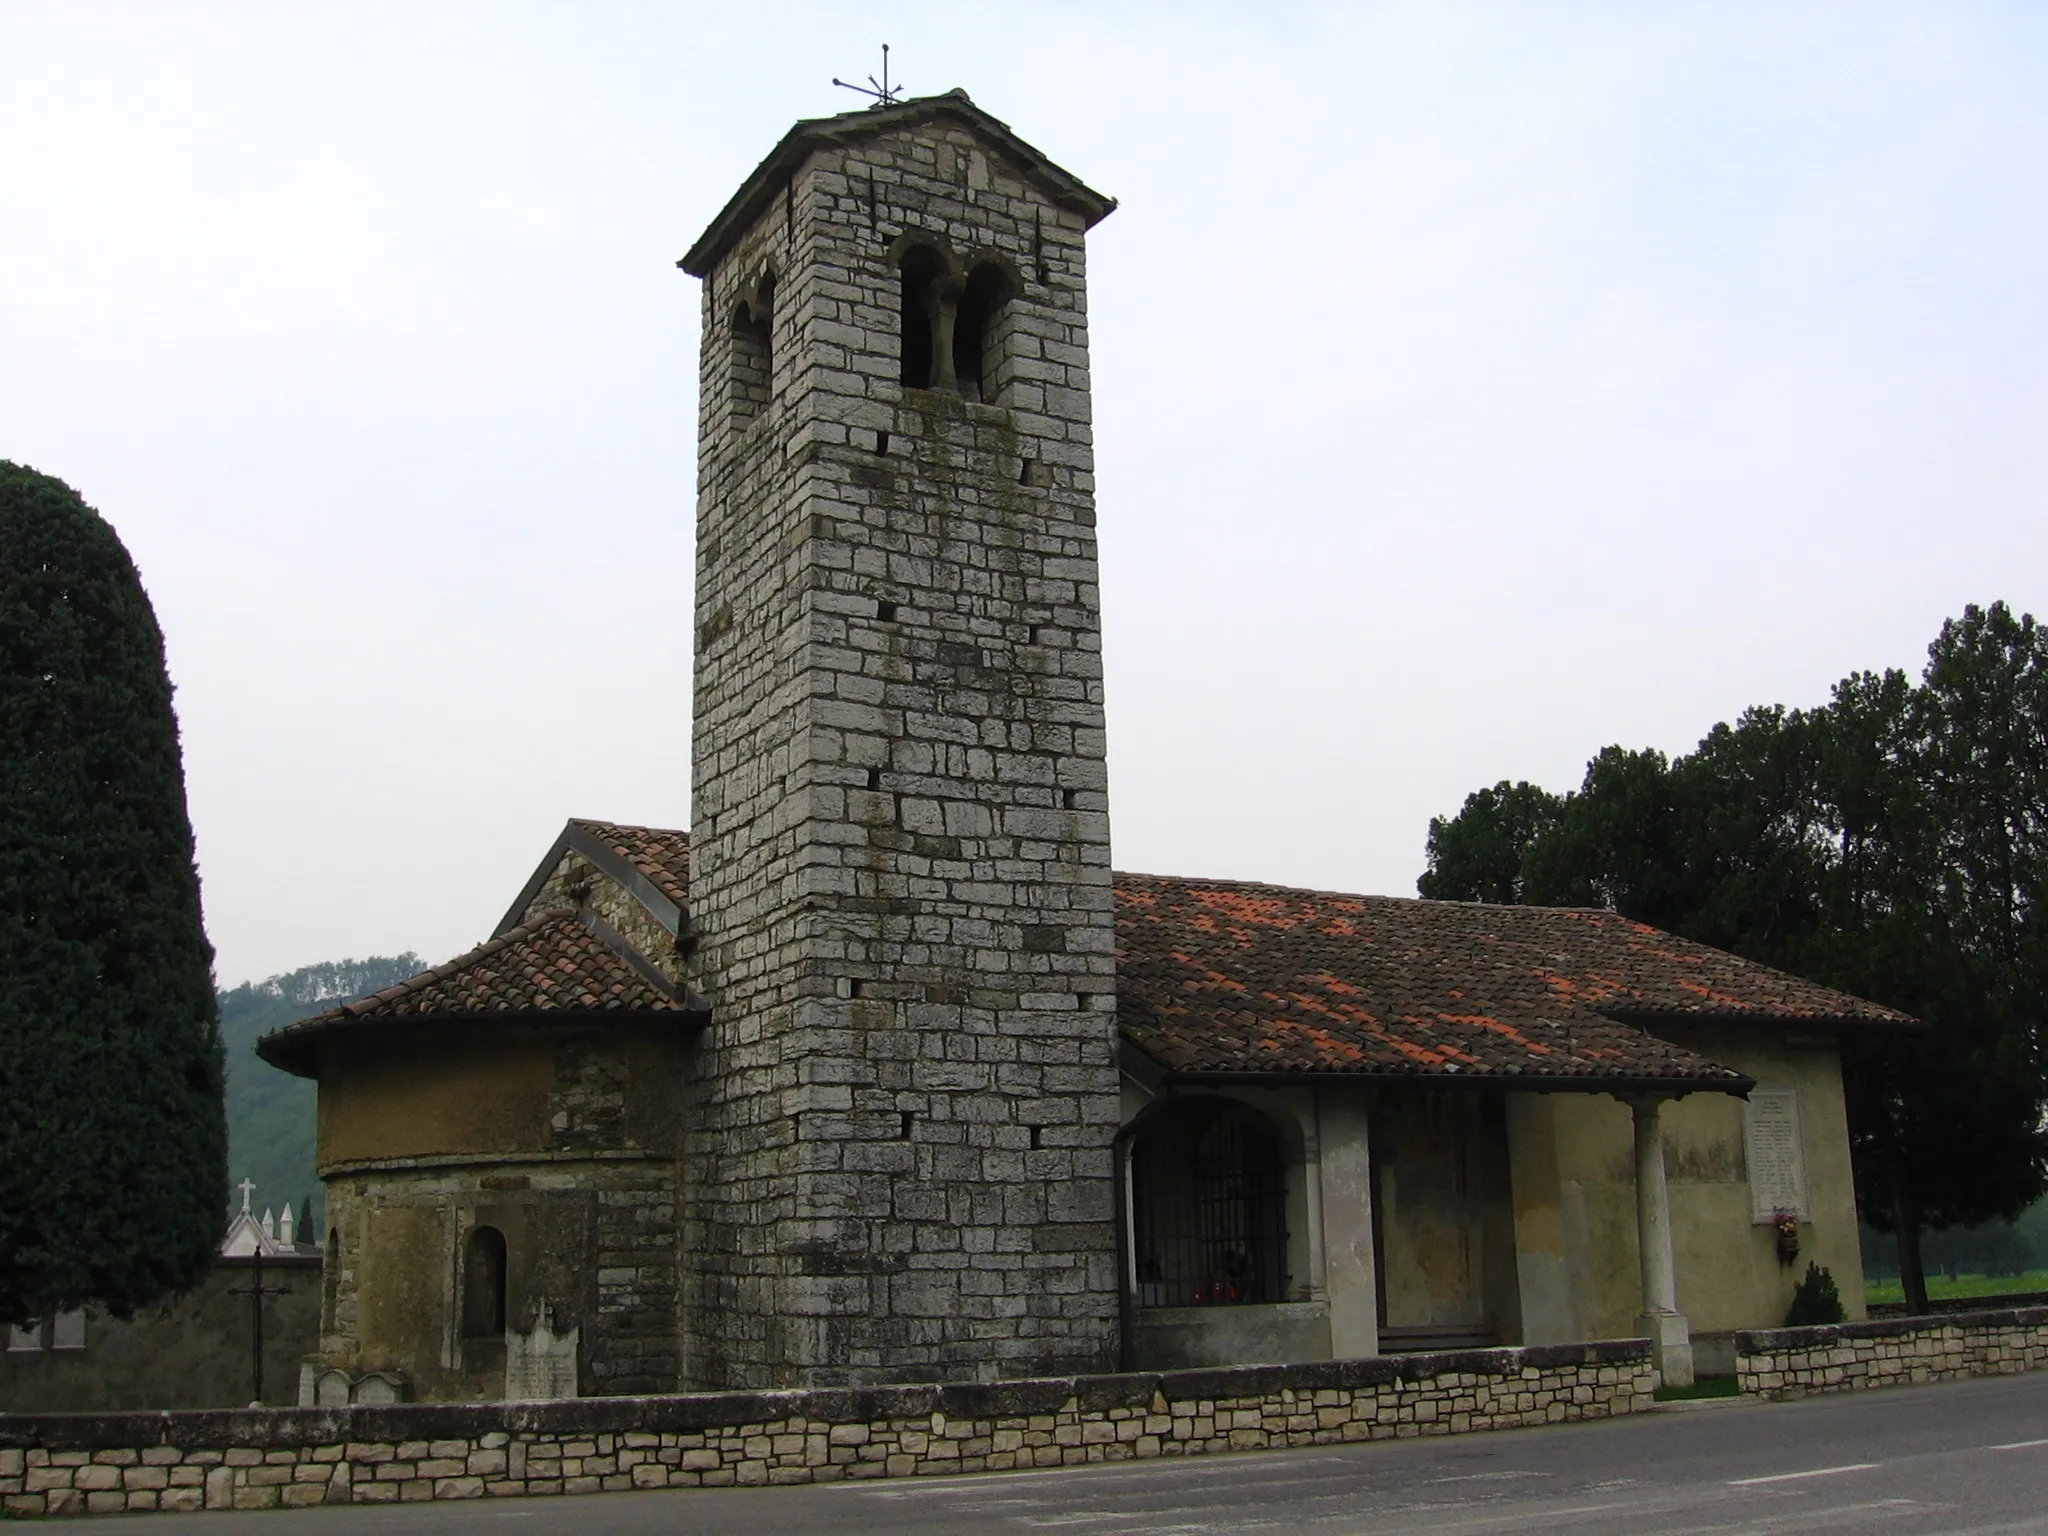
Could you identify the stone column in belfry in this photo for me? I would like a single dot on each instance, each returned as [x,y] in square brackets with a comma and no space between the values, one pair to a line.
[899,1166]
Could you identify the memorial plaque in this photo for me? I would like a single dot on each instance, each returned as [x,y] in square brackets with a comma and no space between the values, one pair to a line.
[1776,1151]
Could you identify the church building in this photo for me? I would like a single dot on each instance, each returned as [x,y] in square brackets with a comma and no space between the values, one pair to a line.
[879,1074]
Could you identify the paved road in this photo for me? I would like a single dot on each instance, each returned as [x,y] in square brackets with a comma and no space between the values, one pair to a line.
[1963,1457]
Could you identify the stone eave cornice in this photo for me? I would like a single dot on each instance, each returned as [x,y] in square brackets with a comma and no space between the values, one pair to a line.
[765,184]
[1734,1083]
[297,1049]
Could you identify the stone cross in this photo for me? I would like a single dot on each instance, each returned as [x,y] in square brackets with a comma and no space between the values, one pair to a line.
[248,1188]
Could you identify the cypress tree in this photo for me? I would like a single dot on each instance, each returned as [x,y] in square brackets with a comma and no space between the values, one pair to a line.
[113,1141]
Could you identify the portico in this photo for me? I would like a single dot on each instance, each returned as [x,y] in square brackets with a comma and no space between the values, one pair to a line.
[1512,1165]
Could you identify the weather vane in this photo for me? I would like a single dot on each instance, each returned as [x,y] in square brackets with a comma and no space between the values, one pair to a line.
[881,90]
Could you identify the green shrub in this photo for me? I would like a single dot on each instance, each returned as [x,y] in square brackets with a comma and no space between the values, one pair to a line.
[1816,1302]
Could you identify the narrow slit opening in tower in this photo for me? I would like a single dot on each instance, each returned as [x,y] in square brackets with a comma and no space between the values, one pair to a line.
[881,445]
[885,611]
[909,1120]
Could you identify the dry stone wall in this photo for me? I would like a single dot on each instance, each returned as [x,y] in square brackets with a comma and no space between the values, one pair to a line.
[92,1464]
[900,833]
[1892,1352]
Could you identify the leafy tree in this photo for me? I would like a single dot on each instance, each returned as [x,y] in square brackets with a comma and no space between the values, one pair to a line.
[1478,854]
[113,1140]
[1890,843]
[1942,920]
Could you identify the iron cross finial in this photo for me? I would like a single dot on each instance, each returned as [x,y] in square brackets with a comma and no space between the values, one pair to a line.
[881,90]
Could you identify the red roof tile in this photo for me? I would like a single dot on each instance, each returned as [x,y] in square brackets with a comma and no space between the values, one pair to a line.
[558,963]
[1221,976]
[1218,976]
[660,854]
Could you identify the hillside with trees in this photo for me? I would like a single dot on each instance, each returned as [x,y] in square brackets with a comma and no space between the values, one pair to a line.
[270,1113]
[1890,842]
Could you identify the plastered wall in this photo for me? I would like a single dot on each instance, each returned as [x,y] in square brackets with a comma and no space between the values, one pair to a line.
[566,1139]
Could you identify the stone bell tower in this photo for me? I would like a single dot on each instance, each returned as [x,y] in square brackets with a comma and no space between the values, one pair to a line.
[900,1164]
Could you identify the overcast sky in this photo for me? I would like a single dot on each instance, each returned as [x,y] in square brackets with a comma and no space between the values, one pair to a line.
[1476,385]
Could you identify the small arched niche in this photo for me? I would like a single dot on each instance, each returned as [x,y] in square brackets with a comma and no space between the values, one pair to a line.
[483,1284]
[1208,1206]
[753,353]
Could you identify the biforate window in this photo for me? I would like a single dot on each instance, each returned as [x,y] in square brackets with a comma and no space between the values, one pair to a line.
[952,326]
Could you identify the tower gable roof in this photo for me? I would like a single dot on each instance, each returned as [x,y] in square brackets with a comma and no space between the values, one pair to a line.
[765,184]
[652,864]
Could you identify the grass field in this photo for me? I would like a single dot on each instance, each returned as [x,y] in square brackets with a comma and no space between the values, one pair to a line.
[1940,1287]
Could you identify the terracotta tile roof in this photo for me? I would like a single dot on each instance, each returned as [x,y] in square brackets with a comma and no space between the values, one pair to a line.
[557,963]
[1221,976]
[660,854]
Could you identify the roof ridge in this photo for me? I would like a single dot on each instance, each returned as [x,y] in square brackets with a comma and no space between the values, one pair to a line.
[1229,883]
[631,826]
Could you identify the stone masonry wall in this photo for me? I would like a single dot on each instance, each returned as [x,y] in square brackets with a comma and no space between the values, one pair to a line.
[92,1464]
[900,883]
[1892,1352]
[591,1242]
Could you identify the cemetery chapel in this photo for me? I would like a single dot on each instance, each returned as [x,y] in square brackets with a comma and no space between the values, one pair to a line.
[878,1073]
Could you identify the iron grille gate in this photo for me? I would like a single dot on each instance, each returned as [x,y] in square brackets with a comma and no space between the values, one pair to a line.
[1208,1206]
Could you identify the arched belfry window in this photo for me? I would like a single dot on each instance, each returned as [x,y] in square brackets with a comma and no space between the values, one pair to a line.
[1208,1207]
[975,331]
[483,1284]
[953,324]
[753,356]
[923,273]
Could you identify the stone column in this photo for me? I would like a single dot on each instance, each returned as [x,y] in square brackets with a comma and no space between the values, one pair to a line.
[1661,1322]
[1312,1201]
[1346,1180]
